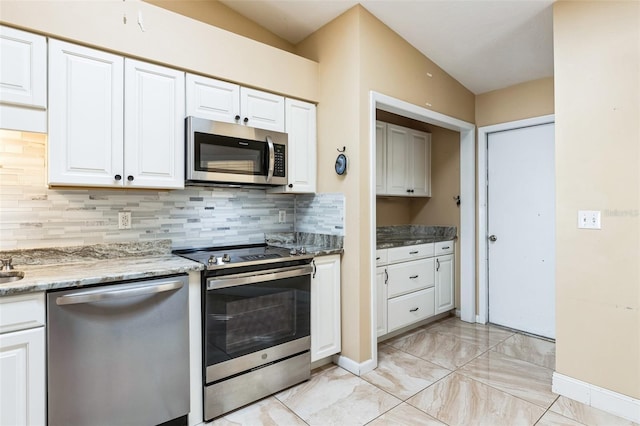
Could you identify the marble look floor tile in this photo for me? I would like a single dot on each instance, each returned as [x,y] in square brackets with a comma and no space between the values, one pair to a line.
[459,400]
[266,412]
[334,396]
[446,351]
[587,415]
[531,349]
[517,377]
[552,419]
[401,374]
[405,414]
[481,335]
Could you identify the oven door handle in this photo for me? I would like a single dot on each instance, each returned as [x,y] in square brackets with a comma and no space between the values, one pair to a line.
[257,277]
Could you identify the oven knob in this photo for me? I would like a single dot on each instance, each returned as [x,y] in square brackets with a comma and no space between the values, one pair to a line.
[226,258]
[293,252]
[212,260]
[303,250]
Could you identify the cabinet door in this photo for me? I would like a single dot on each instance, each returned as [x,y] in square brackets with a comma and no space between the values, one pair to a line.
[325,307]
[398,146]
[381,301]
[213,99]
[154,126]
[85,116]
[22,369]
[381,158]
[419,164]
[23,80]
[445,283]
[261,109]
[301,161]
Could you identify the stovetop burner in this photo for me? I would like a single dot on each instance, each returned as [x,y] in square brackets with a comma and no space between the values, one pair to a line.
[238,256]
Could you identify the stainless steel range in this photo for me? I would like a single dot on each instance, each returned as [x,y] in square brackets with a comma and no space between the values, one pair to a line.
[256,323]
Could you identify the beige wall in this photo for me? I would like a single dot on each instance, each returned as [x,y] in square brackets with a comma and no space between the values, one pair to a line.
[597,110]
[214,13]
[357,54]
[168,39]
[525,100]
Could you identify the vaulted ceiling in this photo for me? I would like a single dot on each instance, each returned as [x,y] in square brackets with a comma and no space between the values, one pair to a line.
[485,45]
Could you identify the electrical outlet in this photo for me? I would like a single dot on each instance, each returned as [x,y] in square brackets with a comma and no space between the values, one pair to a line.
[282,216]
[124,220]
[589,219]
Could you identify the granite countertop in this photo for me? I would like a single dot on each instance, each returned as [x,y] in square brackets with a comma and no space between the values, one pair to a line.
[315,244]
[71,267]
[408,235]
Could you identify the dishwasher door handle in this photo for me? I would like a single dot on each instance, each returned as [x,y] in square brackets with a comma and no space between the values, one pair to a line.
[101,295]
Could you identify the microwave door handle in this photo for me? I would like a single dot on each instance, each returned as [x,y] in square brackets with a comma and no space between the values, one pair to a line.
[272,159]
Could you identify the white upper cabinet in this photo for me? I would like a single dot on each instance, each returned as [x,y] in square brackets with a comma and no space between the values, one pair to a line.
[213,99]
[403,163]
[154,126]
[23,80]
[101,137]
[301,154]
[86,116]
[221,101]
[381,156]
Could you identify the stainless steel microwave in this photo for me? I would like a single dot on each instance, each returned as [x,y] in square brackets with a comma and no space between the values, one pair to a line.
[228,153]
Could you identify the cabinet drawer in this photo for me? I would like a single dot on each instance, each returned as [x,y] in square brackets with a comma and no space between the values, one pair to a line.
[410,276]
[418,251]
[412,307]
[381,257]
[443,247]
[21,312]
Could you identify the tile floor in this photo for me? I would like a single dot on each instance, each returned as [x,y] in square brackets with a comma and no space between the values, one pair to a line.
[446,373]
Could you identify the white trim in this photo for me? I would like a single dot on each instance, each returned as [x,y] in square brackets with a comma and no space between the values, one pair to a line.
[353,367]
[467,231]
[597,397]
[483,134]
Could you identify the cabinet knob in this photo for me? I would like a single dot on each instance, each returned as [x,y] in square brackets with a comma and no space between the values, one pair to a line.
[246,119]
[290,185]
[237,117]
[117,177]
[130,178]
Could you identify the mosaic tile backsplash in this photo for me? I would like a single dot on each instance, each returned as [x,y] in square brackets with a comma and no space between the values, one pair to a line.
[34,216]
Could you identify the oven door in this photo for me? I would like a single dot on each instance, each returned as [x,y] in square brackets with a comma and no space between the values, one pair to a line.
[255,318]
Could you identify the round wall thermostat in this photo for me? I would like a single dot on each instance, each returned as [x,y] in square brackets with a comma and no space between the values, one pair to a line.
[341,164]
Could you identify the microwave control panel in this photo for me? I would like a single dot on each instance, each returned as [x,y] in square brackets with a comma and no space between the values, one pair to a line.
[279,159]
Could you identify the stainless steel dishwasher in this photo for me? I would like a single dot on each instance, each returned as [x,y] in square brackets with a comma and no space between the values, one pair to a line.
[119,354]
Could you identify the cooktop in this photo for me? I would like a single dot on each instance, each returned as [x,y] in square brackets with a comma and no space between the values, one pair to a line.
[243,255]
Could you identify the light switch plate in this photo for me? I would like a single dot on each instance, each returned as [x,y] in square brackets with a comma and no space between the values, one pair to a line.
[589,219]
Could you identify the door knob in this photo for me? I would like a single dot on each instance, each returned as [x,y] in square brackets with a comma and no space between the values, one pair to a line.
[493,238]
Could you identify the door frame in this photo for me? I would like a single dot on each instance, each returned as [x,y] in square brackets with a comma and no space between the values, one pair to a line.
[467,229]
[483,252]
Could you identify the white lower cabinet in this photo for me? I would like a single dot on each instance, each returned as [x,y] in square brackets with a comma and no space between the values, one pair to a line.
[409,308]
[325,307]
[413,283]
[22,360]
[381,301]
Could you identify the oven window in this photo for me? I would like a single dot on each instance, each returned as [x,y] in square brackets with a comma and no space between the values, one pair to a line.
[223,154]
[248,318]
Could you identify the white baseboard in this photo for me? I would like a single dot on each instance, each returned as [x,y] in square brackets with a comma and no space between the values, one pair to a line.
[354,367]
[597,397]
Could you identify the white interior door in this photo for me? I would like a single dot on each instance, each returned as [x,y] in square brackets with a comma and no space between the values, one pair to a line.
[521,229]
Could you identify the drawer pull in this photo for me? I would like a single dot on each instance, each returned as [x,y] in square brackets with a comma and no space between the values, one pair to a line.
[378,258]
[413,310]
[414,252]
[445,248]
[413,277]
